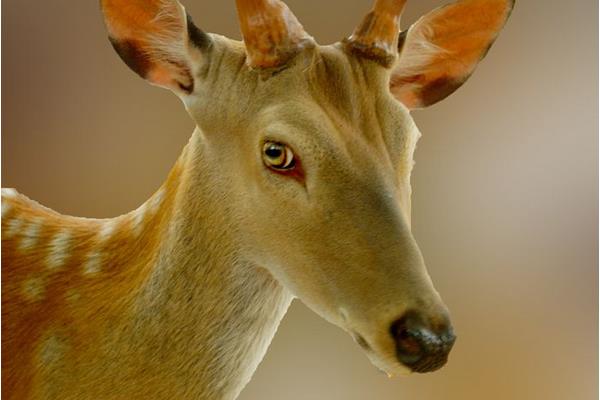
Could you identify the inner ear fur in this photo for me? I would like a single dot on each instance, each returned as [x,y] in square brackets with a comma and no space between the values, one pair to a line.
[154,38]
[441,50]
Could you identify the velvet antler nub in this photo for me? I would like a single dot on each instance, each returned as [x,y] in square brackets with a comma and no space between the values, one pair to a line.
[377,35]
[271,33]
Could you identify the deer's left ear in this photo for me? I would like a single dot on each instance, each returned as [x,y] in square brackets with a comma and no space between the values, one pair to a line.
[156,39]
[441,50]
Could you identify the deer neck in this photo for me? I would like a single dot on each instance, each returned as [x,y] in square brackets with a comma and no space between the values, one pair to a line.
[209,311]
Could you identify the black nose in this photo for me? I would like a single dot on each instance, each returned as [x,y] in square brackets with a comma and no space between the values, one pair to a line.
[420,346]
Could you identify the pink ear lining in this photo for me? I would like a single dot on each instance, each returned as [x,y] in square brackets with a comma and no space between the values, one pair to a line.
[153,38]
[441,50]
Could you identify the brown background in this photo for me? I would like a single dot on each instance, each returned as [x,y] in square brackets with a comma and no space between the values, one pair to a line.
[505,189]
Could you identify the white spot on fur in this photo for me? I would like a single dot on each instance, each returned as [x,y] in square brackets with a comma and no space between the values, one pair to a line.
[52,351]
[31,234]
[92,264]
[151,206]
[13,227]
[6,207]
[107,229]
[34,288]
[59,249]
[138,218]
[9,193]
[156,200]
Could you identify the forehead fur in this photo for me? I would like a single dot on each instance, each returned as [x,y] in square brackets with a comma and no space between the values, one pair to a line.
[324,93]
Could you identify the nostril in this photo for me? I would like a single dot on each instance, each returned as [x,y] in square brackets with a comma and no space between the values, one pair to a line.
[408,346]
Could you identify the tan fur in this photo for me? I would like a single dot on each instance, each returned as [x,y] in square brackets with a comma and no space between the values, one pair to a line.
[181,297]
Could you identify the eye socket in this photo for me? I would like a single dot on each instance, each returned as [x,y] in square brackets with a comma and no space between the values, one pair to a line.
[278,156]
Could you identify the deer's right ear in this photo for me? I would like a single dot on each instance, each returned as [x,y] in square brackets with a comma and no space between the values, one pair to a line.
[156,39]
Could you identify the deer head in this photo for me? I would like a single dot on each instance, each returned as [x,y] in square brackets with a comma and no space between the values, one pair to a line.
[314,147]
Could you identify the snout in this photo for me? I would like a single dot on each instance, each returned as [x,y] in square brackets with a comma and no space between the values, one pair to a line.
[421,345]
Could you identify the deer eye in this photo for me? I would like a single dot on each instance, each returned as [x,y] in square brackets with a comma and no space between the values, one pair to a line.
[278,156]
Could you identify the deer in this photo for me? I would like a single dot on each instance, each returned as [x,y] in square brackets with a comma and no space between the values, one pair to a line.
[295,184]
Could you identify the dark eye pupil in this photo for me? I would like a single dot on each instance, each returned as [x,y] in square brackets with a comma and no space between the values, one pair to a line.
[273,151]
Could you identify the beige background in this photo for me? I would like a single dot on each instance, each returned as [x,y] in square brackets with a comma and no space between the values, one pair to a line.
[505,189]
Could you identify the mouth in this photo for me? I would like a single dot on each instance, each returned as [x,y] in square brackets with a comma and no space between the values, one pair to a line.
[361,341]
[387,365]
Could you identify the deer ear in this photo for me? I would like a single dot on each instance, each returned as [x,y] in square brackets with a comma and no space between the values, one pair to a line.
[156,39]
[441,50]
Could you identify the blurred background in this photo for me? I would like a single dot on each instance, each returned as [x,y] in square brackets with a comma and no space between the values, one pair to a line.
[504,204]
